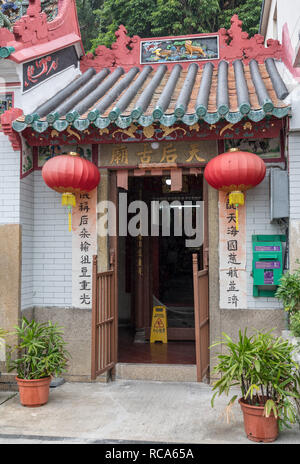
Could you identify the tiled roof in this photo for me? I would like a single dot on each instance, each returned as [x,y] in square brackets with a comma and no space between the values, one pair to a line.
[229,92]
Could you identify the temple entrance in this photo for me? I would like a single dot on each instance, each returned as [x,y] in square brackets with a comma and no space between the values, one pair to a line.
[157,269]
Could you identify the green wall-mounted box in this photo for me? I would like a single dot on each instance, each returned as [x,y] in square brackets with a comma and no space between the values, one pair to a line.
[267,264]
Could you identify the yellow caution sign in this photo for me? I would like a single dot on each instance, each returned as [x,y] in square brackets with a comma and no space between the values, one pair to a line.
[159,325]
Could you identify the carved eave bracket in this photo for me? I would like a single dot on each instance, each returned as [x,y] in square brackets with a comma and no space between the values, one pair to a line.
[7,119]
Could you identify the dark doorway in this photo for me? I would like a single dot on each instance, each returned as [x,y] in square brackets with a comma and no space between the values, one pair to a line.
[157,270]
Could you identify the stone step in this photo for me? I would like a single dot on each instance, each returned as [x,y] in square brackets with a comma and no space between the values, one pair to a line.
[159,372]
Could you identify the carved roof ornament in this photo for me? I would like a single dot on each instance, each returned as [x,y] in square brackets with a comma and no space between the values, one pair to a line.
[11,11]
[36,28]
[123,52]
[234,43]
[126,49]
[33,26]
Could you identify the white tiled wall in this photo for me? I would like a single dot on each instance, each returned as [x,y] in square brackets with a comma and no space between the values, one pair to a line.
[52,251]
[258,222]
[16,207]
[294,175]
[46,241]
[9,182]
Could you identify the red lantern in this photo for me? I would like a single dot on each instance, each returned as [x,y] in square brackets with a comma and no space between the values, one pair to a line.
[70,174]
[235,172]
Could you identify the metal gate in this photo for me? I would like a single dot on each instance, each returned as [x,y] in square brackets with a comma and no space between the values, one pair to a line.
[201,305]
[103,320]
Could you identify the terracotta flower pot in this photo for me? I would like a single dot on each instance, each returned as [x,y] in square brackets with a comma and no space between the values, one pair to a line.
[33,392]
[257,426]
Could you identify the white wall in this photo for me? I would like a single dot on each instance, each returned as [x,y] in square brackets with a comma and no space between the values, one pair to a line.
[10,72]
[52,250]
[46,241]
[294,175]
[16,207]
[258,222]
[47,89]
[9,182]
[272,31]
[288,11]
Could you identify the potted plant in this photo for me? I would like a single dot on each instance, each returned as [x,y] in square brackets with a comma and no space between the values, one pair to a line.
[294,334]
[295,325]
[288,291]
[263,368]
[39,354]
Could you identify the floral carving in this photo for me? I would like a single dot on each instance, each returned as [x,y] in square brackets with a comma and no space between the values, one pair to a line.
[123,52]
[236,44]
[39,22]
[12,11]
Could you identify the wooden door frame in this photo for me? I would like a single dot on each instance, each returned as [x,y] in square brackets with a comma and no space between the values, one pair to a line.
[202,320]
[103,319]
[113,247]
[205,231]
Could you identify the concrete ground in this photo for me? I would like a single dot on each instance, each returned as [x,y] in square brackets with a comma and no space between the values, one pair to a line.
[126,412]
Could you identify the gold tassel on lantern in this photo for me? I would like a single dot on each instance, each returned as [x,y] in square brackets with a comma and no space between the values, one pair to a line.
[69,200]
[236,198]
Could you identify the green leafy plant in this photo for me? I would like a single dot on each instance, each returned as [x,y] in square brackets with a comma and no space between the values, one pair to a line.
[295,324]
[40,351]
[100,19]
[288,291]
[262,367]
[3,333]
